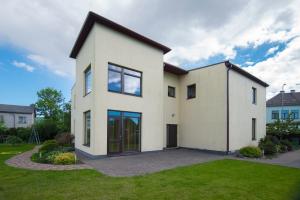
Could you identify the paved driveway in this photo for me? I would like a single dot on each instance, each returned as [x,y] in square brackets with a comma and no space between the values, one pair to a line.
[150,162]
[289,159]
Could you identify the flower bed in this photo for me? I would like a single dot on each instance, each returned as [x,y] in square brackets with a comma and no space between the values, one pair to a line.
[53,153]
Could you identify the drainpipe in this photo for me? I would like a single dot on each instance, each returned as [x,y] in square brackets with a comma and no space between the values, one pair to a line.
[228,65]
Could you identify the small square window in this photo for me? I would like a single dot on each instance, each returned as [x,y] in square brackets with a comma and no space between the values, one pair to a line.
[171,91]
[191,91]
[22,120]
[275,114]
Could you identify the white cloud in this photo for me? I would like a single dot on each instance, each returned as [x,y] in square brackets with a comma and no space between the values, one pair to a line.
[249,63]
[23,65]
[272,50]
[283,68]
[195,30]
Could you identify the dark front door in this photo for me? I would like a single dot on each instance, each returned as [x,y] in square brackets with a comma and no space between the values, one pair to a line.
[123,132]
[171,135]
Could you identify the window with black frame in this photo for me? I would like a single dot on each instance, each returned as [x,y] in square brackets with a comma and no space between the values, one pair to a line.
[171,91]
[87,129]
[124,80]
[88,80]
[191,91]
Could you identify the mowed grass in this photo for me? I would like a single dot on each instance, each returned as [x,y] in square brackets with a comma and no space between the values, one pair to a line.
[223,179]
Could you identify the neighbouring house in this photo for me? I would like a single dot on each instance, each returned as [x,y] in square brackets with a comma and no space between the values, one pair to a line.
[127,99]
[15,116]
[282,105]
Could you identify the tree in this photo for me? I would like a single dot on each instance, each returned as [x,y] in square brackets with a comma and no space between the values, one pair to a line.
[49,104]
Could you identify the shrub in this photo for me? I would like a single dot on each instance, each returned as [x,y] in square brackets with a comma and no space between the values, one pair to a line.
[64,139]
[288,144]
[44,157]
[251,152]
[65,159]
[14,140]
[23,133]
[49,145]
[282,149]
[270,148]
[46,128]
[3,128]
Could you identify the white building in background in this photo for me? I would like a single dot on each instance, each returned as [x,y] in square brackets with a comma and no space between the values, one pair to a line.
[15,116]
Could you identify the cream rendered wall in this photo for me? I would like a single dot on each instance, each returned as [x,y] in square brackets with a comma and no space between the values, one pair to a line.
[171,104]
[114,47]
[84,102]
[203,119]
[242,111]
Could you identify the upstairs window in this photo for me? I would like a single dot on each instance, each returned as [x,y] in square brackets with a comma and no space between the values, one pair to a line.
[124,80]
[1,119]
[191,91]
[295,114]
[171,91]
[88,80]
[275,114]
[254,95]
[284,114]
[22,120]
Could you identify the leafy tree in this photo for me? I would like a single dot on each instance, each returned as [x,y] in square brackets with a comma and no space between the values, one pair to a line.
[3,128]
[50,103]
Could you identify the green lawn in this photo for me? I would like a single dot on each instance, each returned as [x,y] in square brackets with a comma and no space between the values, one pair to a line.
[226,179]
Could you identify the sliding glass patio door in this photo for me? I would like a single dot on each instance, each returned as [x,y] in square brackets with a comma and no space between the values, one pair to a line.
[124,132]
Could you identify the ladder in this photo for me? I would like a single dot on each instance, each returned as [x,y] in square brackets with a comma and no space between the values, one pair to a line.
[34,137]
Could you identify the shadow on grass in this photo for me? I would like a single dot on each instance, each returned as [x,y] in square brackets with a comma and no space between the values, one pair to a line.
[296,196]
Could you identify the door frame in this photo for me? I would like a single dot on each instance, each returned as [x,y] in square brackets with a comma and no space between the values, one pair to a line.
[167,135]
[121,152]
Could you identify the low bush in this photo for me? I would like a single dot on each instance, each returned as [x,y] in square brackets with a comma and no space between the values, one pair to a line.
[23,133]
[64,139]
[44,157]
[282,148]
[49,145]
[270,148]
[65,159]
[14,140]
[251,152]
[288,144]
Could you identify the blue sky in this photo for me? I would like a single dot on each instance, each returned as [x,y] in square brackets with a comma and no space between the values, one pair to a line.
[35,46]
[19,86]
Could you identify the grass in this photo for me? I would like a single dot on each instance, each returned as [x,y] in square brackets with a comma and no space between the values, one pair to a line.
[222,180]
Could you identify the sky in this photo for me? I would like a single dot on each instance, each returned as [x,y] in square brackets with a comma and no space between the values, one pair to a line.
[36,38]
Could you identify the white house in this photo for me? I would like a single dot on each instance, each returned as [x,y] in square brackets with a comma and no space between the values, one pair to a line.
[15,116]
[126,99]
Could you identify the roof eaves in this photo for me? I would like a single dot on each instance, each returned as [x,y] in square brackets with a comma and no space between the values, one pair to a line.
[95,18]
[245,73]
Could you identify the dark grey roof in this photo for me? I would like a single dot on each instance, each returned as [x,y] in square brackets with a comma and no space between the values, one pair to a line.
[288,99]
[16,109]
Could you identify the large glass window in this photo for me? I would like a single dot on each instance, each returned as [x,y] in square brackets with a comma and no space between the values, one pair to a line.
[123,80]
[191,91]
[295,114]
[1,119]
[254,95]
[284,114]
[275,114]
[88,80]
[124,130]
[87,129]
